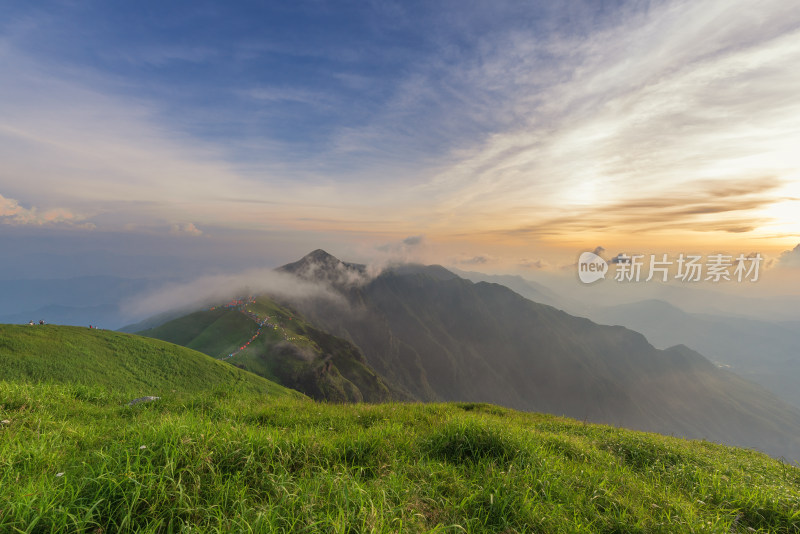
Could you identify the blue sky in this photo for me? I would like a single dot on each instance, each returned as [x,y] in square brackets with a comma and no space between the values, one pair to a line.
[334,83]
[516,132]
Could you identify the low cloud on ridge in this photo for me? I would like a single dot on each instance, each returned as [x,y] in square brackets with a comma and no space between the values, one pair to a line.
[207,290]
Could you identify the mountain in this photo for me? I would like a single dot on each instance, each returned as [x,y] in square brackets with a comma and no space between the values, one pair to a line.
[440,337]
[320,266]
[527,288]
[765,352]
[275,342]
[123,363]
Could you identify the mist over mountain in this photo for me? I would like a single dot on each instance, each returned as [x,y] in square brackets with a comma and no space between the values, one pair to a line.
[320,267]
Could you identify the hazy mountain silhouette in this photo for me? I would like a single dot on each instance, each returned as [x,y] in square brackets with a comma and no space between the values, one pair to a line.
[527,288]
[766,352]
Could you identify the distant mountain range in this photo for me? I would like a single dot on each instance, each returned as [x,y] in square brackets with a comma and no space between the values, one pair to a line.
[429,334]
[765,352]
[78,301]
[762,350]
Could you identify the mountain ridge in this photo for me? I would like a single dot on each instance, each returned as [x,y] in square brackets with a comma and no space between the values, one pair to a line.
[276,342]
[446,338]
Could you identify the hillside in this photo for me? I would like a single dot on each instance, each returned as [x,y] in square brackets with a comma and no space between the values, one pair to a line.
[527,288]
[111,361]
[441,337]
[765,352]
[275,342]
[232,461]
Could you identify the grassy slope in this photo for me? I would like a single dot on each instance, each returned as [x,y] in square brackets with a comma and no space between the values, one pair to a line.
[133,365]
[296,363]
[216,332]
[234,462]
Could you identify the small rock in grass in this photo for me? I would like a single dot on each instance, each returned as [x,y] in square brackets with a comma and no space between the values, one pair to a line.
[59,475]
[142,399]
[5,422]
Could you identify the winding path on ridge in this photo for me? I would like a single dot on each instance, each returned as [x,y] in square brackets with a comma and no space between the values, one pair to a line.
[241,306]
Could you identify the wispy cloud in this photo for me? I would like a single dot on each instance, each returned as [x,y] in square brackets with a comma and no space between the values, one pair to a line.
[283,94]
[700,207]
[188,229]
[413,240]
[12,212]
[652,105]
[533,264]
[480,259]
[160,55]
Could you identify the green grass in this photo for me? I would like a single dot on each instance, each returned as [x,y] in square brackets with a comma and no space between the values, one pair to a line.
[124,363]
[233,461]
[214,332]
[222,331]
[226,451]
[288,350]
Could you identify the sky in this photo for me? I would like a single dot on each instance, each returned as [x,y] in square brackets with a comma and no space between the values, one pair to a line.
[185,138]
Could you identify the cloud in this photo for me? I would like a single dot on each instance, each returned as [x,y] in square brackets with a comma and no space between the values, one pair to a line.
[402,250]
[206,290]
[413,240]
[185,229]
[533,264]
[283,95]
[651,103]
[790,258]
[474,260]
[11,212]
[160,56]
[411,249]
[704,206]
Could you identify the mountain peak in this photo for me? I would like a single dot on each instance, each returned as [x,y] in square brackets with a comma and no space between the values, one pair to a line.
[319,255]
[319,266]
[316,259]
